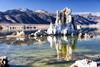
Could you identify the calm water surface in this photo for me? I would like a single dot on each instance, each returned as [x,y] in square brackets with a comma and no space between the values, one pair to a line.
[48,51]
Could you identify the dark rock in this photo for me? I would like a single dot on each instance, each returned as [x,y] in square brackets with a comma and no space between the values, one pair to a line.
[3,61]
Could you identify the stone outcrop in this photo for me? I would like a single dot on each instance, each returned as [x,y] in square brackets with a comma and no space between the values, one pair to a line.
[64,23]
[3,61]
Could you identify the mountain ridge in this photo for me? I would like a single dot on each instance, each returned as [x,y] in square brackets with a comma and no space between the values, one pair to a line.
[40,17]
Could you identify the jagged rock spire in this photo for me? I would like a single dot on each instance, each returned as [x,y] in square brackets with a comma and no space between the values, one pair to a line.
[63,23]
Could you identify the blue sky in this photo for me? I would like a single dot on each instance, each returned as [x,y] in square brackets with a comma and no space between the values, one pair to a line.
[52,5]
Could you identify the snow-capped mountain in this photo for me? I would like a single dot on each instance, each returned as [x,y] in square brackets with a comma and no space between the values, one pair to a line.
[27,16]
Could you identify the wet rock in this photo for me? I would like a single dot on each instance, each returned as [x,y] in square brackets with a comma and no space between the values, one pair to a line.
[3,61]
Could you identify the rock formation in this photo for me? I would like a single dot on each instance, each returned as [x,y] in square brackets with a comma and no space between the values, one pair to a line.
[64,23]
[3,61]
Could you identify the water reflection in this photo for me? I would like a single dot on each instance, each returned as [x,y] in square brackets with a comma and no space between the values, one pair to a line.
[64,46]
[23,41]
[59,42]
[53,50]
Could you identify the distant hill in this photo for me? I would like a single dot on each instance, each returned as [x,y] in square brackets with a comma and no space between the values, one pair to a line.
[83,20]
[38,17]
[26,17]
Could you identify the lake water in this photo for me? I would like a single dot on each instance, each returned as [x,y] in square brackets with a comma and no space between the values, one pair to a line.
[48,51]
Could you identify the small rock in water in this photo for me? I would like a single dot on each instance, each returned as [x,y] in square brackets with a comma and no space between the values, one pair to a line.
[84,63]
[3,61]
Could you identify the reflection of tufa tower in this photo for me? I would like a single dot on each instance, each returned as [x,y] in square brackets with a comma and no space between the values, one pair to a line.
[64,46]
[64,23]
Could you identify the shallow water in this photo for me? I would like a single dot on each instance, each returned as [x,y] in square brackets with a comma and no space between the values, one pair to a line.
[48,51]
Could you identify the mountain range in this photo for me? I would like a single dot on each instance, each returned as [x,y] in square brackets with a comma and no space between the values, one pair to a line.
[40,17]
